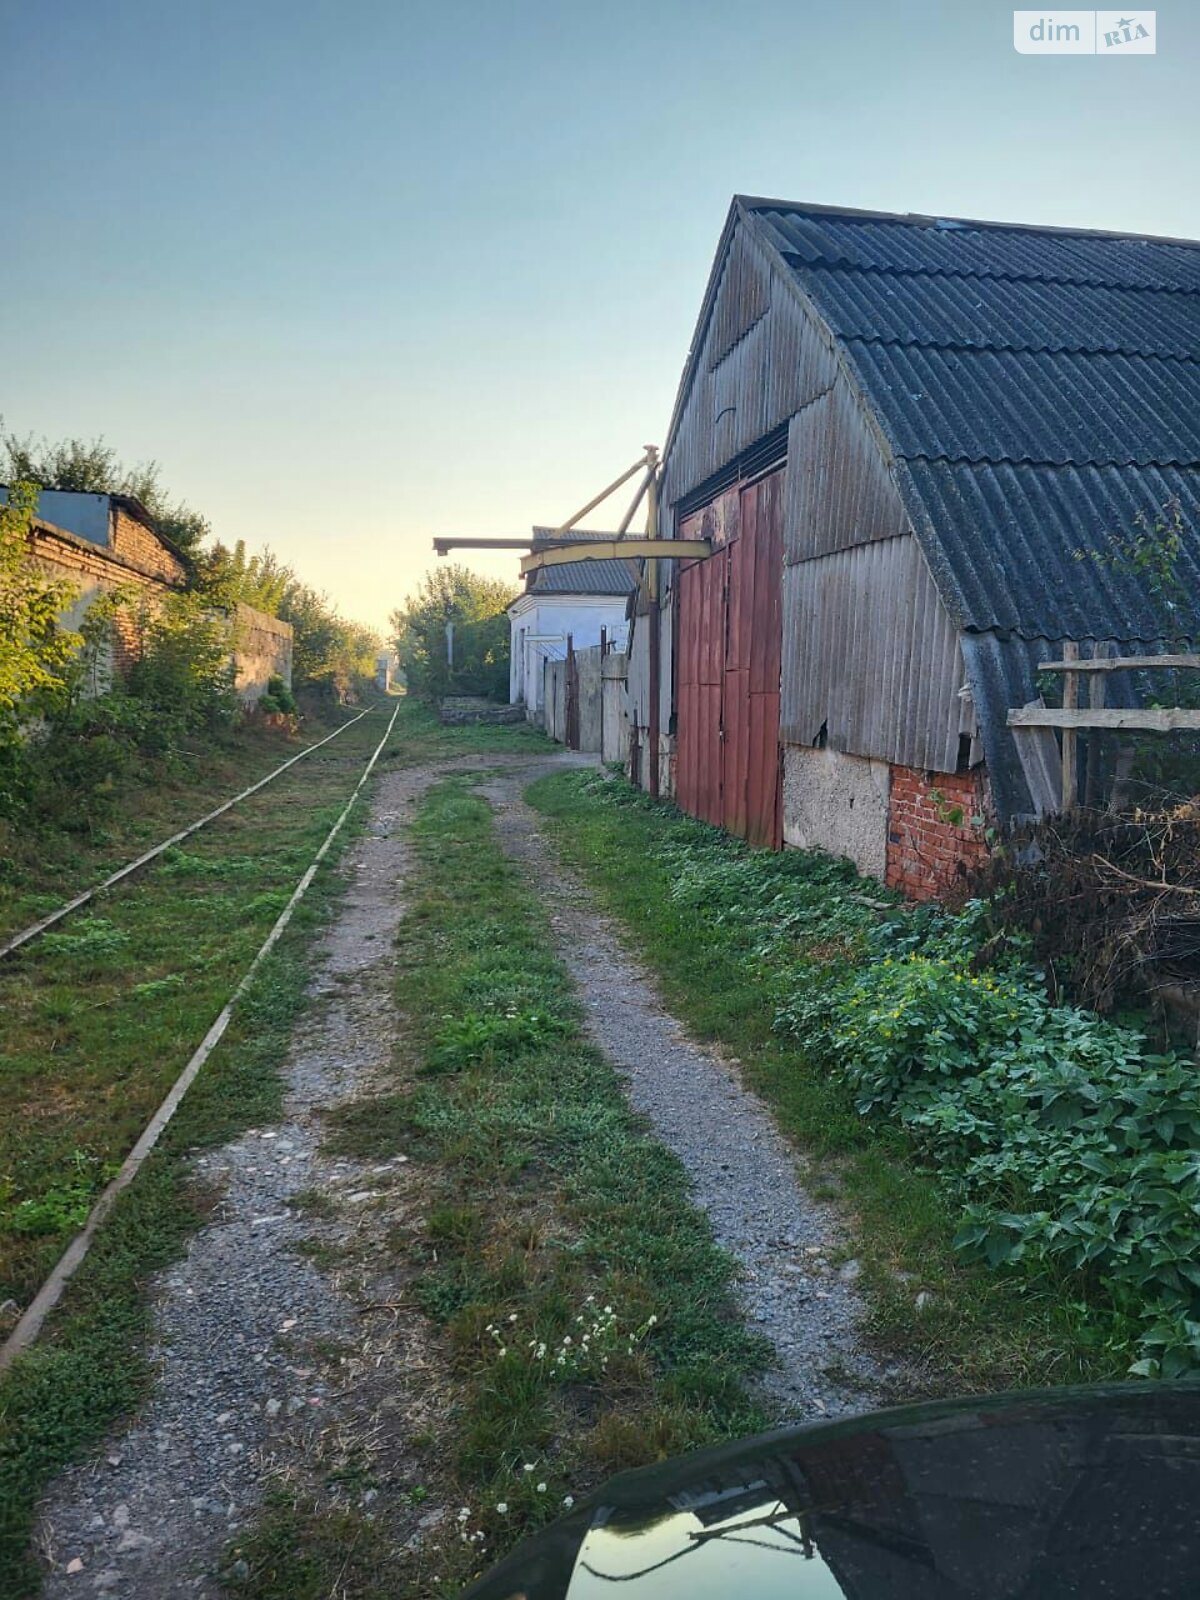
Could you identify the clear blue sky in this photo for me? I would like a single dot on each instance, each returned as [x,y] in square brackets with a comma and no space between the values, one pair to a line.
[358,273]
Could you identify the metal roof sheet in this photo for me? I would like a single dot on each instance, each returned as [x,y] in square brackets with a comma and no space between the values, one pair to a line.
[1014,547]
[1040,389]
[586,577]
[1096,408]
[948,245]
[1001,314]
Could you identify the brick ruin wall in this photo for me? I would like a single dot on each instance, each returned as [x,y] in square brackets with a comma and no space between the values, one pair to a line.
[935,832]
[138,561]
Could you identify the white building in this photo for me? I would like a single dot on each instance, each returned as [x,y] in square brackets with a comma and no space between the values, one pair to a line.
[578,600]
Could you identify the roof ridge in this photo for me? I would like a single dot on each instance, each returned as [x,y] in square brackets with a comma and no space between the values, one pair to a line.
[919,219]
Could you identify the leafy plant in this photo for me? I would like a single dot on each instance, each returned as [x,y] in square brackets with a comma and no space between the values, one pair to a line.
[1069,1142]
[35,652]
[481,1039]
[65,1206]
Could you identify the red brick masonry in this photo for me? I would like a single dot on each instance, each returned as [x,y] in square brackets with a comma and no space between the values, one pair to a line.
[929,851]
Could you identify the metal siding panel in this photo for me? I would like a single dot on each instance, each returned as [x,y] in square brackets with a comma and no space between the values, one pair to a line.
[763,824]
[708,753]
[888,663]
[743,297]
[781,362]
[839,490]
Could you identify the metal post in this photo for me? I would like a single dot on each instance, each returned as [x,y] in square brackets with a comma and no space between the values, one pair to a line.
[654,618]
[571,731]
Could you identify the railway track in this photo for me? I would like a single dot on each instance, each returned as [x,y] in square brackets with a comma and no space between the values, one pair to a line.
[163,909]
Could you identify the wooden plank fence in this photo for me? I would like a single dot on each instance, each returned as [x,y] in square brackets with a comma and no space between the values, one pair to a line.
[1071,718]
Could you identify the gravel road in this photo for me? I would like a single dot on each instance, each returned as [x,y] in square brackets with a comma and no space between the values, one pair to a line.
[744,1175]
[251,1384]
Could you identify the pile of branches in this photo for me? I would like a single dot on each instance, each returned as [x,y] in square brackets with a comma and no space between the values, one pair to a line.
[1112,902]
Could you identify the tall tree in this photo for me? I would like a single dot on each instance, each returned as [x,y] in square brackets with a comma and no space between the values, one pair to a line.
[476,606]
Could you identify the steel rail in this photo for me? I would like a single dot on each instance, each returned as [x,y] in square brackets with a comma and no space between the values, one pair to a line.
[48,1296]
[35,929]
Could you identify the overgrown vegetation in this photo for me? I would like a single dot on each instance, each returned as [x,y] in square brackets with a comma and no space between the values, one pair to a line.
[585,1311]
[331,656]
[75,733]
[99,1018]
[70,729]
[475,607]
[91,466]
[1024,1174]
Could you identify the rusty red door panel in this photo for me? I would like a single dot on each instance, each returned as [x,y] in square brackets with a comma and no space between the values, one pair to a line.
[764,799]
[698,685]
[729,647]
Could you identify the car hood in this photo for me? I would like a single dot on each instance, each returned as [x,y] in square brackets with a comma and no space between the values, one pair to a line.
[1091,1493]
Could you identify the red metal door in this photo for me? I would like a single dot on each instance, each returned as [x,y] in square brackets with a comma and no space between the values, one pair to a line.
[701,663]
[762,597]
[729,648]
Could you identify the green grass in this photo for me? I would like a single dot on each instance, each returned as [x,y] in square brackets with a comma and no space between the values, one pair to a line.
[961,1327]
[548,1202]
[98,1019]
[41,867]
[89,1370]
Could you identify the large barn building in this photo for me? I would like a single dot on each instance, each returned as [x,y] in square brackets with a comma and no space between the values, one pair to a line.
[910,442]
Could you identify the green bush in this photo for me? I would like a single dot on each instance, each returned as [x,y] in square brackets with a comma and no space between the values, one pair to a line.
[282,697]
[183,673]
[1070,1143]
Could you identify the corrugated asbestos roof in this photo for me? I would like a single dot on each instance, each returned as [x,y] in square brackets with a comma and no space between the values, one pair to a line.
[1040,389]
[586,577]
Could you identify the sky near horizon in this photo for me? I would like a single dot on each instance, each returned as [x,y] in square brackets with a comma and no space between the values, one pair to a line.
[357,274]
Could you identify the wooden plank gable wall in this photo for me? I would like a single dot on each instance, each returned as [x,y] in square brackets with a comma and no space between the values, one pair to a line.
[868,660]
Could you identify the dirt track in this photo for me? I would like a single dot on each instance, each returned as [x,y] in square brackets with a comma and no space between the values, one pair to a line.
[274,1362]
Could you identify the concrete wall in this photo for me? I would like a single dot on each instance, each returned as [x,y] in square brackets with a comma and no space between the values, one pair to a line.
[262,650]
[587,669]
[838,803]
[614,710]
[603,724]
[553,698]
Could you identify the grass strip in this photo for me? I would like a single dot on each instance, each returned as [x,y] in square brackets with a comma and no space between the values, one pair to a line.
[960,1326]
[95,1028]
[586,1313]
[42,866]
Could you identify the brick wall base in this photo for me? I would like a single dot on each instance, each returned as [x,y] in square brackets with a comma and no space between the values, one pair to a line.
[932,841]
